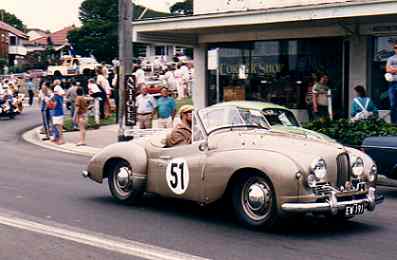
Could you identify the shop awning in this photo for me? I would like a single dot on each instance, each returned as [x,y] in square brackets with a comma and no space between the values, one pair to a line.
[188,31]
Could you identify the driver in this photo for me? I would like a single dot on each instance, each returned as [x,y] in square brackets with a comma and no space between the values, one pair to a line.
[182,133]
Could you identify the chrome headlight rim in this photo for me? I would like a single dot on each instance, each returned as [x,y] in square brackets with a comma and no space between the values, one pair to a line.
[373,174]
[318,168]
[357,165]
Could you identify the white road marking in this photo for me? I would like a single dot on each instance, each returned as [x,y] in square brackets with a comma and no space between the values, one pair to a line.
[117,245]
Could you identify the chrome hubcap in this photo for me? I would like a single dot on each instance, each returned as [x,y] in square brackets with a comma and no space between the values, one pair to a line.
[123,178]
[257,199]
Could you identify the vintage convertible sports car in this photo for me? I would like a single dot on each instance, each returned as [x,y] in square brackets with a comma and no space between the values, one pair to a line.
[235,154]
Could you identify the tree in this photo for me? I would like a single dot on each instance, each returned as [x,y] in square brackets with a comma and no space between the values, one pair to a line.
[182,8]
[11,20]
[99,32]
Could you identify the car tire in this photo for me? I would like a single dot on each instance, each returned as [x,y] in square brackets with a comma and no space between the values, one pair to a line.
[254,201]
[121,192]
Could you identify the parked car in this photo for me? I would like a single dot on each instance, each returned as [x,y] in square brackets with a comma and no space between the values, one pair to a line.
[383,150]
[73,66]
[236,155]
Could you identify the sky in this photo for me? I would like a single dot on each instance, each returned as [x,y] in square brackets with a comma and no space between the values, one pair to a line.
[54,15]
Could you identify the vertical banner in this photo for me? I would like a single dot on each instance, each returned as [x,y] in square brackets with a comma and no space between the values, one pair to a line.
[130,104]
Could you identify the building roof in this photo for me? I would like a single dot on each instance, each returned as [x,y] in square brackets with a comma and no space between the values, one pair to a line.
[58,38]
[6,27]
[36,34]
[190,30]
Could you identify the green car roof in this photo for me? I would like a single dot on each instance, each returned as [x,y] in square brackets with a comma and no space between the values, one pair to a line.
[252,105]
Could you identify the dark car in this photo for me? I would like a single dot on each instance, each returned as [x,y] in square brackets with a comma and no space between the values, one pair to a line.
[383,150]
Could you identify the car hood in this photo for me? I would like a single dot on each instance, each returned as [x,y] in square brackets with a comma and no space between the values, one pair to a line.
[303,131]
[297,147]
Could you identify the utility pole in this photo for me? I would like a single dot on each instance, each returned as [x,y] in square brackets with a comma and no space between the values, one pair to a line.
[125,58]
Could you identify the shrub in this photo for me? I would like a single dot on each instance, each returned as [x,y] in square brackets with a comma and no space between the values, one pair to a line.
[348,133]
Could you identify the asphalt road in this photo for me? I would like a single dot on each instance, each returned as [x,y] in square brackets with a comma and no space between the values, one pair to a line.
[42,186]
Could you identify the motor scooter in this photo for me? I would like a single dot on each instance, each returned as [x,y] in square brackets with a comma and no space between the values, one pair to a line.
[6,106]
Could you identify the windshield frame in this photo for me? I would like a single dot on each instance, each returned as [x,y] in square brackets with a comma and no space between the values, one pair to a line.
[224,127]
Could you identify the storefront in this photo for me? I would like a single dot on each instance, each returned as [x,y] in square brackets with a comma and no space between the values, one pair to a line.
[380,48]
[277,71]
[273,54]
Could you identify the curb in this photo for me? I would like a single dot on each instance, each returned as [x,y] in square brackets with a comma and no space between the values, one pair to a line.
[34,137]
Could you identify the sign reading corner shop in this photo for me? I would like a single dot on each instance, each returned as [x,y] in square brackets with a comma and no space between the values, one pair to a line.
[221,6]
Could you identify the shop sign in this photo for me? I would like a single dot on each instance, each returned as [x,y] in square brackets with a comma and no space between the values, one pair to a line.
[130,105]
[254,68]
[213,59]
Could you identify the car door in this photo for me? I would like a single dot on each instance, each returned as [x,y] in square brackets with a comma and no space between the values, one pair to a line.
[178,171]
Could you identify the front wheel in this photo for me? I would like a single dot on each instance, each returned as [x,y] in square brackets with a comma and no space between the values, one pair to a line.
[254,201]
[120,183]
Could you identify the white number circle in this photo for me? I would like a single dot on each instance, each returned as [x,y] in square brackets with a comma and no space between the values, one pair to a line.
[178,176]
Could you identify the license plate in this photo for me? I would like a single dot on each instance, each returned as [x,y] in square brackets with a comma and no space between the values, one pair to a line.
[355,209]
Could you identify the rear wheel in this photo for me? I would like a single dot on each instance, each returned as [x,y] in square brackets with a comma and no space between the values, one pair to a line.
[120,183]
[254,201]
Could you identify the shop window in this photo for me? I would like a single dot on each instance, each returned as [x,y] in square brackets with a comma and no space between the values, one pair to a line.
[382,50]
[280,72]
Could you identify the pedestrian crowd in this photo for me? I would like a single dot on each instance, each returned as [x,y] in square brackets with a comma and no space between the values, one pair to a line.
[53,99]
[98,96]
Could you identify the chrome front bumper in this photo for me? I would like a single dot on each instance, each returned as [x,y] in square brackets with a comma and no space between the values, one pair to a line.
[333,205]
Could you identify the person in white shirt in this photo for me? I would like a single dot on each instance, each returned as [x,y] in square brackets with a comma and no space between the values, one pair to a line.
[146,107]
[180,82]
[95,92]
[139,75]
[170,79]
[103,82]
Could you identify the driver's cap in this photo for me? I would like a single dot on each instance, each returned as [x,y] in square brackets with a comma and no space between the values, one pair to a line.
[185,109]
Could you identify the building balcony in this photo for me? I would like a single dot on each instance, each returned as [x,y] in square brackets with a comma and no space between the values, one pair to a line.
[17,50]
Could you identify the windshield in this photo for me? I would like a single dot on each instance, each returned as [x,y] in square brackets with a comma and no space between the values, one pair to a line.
[280,117]
[230,116]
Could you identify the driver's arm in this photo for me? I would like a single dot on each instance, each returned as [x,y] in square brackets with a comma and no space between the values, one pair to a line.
[175,138]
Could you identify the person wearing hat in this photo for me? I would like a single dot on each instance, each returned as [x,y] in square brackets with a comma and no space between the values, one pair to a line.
[182,133]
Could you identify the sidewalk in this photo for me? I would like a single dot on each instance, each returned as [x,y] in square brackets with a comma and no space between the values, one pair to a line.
[96,140]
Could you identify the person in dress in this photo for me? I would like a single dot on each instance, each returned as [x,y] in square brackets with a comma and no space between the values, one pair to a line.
[81,115]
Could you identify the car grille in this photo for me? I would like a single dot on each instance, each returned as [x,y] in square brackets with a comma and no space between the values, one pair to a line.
[344,170]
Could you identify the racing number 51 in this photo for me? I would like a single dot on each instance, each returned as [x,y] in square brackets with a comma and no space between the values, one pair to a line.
[174,172]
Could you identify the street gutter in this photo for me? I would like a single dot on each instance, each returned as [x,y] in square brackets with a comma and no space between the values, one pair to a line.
[34,137]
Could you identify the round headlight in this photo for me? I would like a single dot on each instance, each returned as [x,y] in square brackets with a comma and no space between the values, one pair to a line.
[357,165]
[373,173]
[319,168]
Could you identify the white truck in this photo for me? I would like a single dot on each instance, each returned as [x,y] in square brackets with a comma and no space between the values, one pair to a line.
[73,66]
